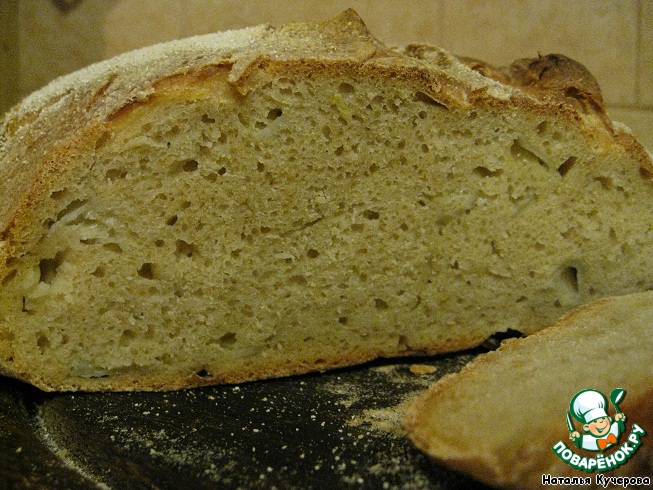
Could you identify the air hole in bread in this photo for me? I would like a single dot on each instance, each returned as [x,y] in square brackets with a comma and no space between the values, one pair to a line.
[43,343]
[569,275]
[172,220]
[126,337]
[206,119]
[190,166]
[99,271]
[102,140]
[298,279]
[380,304]
[247,311]
[48,268]
[645,173]
[211,177]
[86,370]
[371,215]
[70,208]
[146,271]
[115,174]
[227,340]
[566,166]
[486,172]
[8,277]
[113,247]
[521,150]
[58,195]
[243,119]
[184,166]
[326,131]
[173,131]
[274,114]
[312,253]
[185,249]
[427,99]
[606,182]
[203,373]
[346,88]
[402,343]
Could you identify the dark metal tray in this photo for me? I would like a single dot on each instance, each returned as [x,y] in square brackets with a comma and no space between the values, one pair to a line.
[333,430]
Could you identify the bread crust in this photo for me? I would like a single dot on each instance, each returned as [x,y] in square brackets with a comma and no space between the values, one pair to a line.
[523,464]
[42,136]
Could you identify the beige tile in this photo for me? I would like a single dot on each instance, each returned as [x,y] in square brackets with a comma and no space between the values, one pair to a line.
[132,24]
[402,22]
[54,43]
[135,23]
[601,34]
[9,86]
[393,21]
[645,52]
[639,121]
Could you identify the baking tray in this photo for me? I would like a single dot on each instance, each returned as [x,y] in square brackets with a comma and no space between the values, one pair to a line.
[339,429]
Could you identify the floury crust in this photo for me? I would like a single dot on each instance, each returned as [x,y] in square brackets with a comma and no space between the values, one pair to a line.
[274,201]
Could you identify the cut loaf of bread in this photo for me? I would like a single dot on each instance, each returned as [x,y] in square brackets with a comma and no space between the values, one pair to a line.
[272,201]
[500,418]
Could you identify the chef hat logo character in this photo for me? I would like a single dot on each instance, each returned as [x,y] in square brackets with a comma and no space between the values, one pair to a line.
[589,405]
[590,408]
[599,432]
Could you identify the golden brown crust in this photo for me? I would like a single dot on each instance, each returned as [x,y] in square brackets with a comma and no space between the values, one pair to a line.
[530,455]
[86,106]
[553,77]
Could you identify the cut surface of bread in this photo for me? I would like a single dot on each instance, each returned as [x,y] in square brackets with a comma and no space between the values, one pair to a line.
[500,417]
[272,201]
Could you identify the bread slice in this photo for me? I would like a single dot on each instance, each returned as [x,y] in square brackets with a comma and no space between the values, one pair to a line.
[272,201]
[500,418]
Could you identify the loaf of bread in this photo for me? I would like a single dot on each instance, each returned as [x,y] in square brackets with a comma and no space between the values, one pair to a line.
[502,418]
[272,201]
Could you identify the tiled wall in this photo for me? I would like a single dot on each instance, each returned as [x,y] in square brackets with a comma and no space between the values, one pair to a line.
[41,39]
